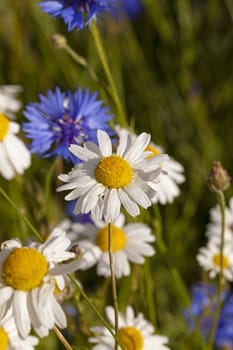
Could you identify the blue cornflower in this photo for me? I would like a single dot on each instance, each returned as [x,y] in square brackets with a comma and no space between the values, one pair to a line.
[62,119]
[202,310]
[75,13]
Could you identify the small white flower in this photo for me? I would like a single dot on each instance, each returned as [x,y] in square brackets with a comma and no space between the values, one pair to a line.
[9,338]
[14,156]
[213,230]
[29,277]
[171,174]
[107,180]
[135,333]
[209,259]
[130,242]
[8,102]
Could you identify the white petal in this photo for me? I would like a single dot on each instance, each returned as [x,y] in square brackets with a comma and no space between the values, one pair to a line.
[105,144]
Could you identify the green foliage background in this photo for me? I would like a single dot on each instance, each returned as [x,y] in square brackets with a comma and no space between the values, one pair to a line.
[173,68]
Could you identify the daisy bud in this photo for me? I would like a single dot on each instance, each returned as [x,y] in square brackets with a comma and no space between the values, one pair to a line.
[218,179]
[59,41]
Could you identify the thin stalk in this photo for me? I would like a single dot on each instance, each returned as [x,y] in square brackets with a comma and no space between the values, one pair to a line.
[5,195]
[113,282]
[92,305]
[81,61]
[62,338]
[221,202]
[103,59]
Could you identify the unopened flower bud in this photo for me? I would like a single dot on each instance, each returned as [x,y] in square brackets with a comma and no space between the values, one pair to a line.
[218,179]
[59,40]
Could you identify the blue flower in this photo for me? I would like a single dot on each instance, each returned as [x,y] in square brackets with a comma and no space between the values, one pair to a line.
[75,13]
[202,310]
[62,119]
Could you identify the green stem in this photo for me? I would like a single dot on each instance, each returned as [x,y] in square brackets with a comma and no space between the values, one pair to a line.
[81,61]
[5,195]
[105,64]
[113,282]
[92,305]
[62,338]
[221,201]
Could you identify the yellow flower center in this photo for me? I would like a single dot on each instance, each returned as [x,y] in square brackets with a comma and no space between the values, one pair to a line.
[154,150]
[3,340]
[131,338]
[225,261]
[114,172]
[118,238]
[24,269]
[4,126]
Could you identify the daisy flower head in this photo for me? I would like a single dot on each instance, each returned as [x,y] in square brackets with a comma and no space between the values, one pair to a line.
[30,277]
[75,13]
[130,243]
[135,333]
[9,338]
[209,259]
[107,179]
[64,118]
[14,156]
[213,230]
[8,102]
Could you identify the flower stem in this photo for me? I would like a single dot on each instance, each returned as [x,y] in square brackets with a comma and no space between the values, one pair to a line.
[221,202]
[113,281]
[81,61]
[92,305]
[5,195]
[104,62]
[62,338]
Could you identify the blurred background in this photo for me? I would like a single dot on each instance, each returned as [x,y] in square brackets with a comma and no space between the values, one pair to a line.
[173,65]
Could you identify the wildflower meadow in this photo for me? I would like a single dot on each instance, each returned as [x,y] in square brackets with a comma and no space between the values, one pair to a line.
[116,200]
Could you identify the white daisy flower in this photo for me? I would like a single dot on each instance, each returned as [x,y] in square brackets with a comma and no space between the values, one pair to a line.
[29,278]
[130,242]
[105,180]
[9,338]
[14,156]
[135,333]
[213,230]
[209,259]
[8,102]
[171,174]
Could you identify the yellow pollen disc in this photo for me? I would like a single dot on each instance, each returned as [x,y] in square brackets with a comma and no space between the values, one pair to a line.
[131,338]
[154,150]
[118,238]
[225,261]
[24,269]
[3,340]
[4,126]
[114,172]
